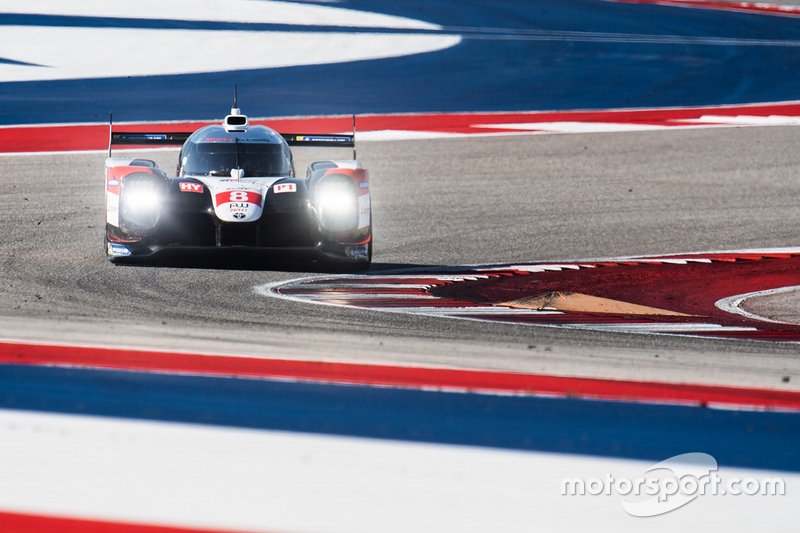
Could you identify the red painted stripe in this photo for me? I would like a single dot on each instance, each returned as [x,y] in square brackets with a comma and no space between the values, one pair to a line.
[238,196]
[395,376]
[28,523]
[95,136]
[748,7]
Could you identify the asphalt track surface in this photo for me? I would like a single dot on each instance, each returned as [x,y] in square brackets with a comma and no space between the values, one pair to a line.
[436,203]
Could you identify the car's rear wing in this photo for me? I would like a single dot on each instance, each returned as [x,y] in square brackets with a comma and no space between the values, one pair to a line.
[138,138]
[150,138]
[305,139]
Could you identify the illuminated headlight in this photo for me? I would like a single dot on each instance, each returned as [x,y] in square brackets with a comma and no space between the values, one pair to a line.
[337,203]
[143,200]
[140,205]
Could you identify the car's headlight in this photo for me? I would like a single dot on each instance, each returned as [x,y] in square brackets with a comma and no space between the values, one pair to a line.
[337,204]
[142,200]
[140,205]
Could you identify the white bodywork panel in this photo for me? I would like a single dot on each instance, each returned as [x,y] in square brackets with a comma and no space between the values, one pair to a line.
[112,209]
[238,200]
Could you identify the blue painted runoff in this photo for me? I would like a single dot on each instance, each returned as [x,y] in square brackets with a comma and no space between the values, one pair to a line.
[764,440]
[514,56]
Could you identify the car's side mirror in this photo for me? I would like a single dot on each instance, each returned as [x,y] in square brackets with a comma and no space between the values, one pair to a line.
[319,165]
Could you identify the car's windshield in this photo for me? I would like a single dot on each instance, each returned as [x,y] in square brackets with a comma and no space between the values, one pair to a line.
[256,159]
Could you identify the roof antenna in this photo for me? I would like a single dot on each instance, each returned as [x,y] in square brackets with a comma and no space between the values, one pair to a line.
[235,109]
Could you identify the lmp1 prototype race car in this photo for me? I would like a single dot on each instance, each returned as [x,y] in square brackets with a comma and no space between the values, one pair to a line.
[236,188]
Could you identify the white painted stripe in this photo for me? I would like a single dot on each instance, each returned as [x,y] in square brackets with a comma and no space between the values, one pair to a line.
[539,267]
[746,120]
[748,251]
[574,127]
[469,277]
[691,256]
[74,53]
[71,152]
[665,327]
[361,296]
[226,478]
[347,286]
[457,311]
[404,135]
[247,11]
[732,304]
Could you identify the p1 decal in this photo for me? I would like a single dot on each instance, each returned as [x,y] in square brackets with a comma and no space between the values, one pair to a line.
[687,294]
[246,197]
[284,187]
[188,186]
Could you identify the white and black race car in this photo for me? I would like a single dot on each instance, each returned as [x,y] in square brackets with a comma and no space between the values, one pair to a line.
[236,188]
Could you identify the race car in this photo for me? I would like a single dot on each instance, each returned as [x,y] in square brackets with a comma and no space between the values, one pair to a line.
[236,188]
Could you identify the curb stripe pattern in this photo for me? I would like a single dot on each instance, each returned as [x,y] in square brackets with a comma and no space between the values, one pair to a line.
[691,284]
[404,377]
[759,8]
[32,139]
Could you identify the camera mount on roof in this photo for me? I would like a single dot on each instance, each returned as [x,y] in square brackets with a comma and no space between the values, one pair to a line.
[235,121]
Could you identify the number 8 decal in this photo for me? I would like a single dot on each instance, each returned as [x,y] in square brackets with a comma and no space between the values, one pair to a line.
[239,196]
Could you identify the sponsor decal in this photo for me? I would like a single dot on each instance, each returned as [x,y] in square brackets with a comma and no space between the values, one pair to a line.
[327,139]
[246,197]
[218,140]
[364,185]
[146,136]
[187,186]
[113,183]
[118,250]
[285,187]
[359,251]
[239,215]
